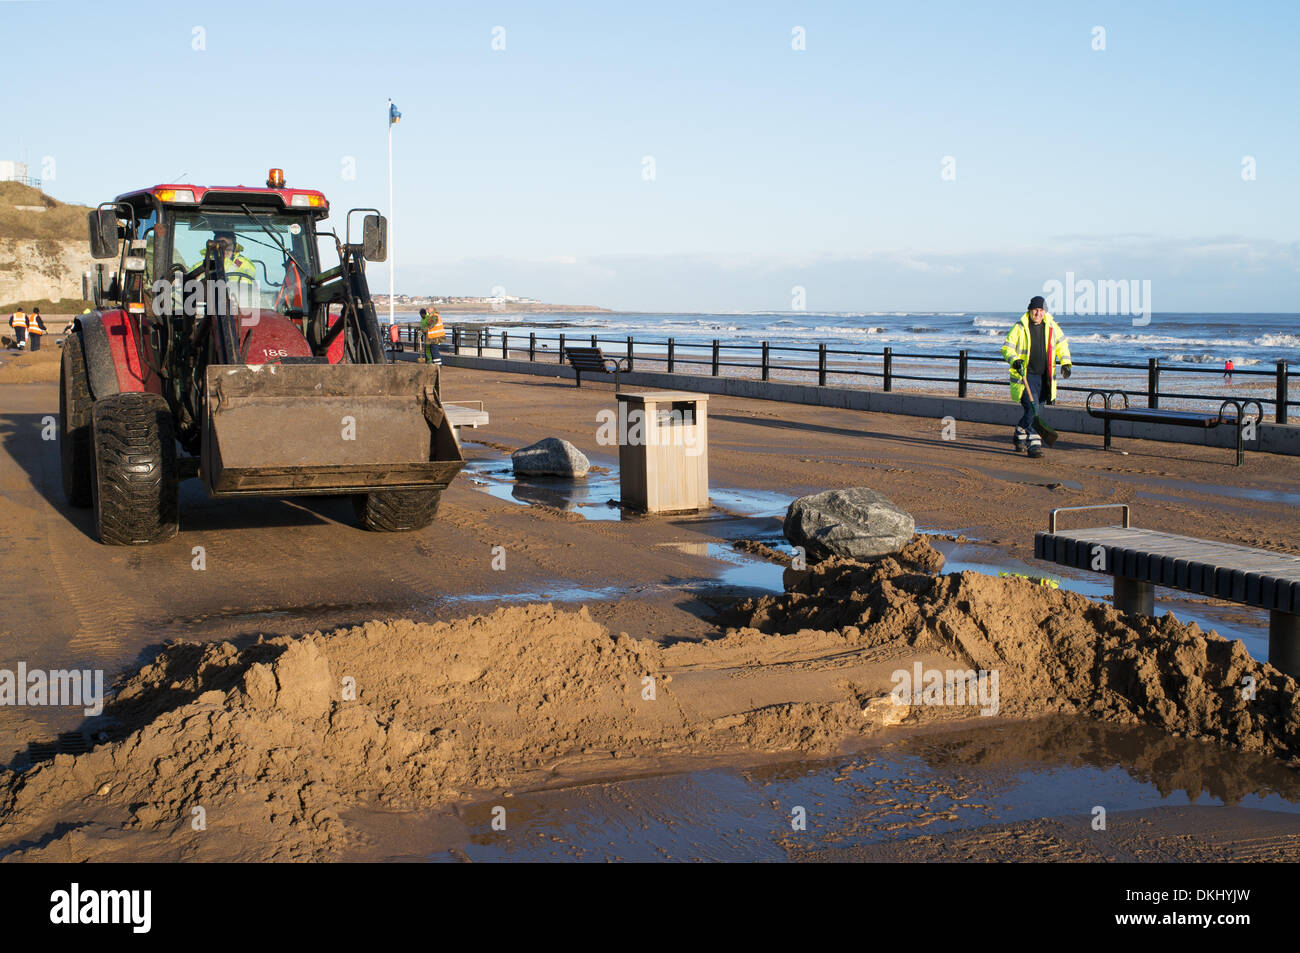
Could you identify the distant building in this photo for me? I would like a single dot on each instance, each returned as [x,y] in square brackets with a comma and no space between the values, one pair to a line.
[17,172]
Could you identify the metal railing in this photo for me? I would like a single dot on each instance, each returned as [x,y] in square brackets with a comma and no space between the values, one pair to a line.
[823,362]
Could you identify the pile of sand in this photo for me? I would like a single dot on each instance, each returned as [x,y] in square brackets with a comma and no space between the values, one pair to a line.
[281,737]
[276,742]
[1054,650]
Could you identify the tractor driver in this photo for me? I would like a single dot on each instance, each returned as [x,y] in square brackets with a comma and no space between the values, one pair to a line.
[238,268]
[241,275]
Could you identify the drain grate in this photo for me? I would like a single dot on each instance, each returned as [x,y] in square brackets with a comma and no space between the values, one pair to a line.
[69,742]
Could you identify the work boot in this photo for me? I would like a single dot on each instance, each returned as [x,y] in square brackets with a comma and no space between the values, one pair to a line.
[1020,439]
[1035,445]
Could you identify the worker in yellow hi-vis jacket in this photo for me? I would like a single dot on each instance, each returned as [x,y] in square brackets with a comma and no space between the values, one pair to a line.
[1033,347]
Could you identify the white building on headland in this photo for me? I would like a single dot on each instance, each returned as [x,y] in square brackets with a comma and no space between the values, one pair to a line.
[11,171]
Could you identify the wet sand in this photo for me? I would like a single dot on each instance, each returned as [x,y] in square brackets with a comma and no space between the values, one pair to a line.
[287,567]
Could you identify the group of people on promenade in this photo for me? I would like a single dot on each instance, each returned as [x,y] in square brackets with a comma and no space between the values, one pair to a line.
[431,334]
[27,327]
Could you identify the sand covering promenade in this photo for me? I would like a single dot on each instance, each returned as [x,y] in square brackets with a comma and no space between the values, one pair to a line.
[278,741]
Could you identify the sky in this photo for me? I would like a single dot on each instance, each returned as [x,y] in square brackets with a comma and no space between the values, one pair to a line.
[693,157]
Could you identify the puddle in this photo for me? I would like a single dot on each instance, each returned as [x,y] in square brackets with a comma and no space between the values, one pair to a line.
[738,570]
[1210,489]
[560,593]
[596,495]
[741,570]
[1020,479]
[753,503]
[1246,493]
[1231,622]
[959,781]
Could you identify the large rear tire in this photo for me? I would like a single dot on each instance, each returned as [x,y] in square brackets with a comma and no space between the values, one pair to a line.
[135,477]
[396,511]
[75,405]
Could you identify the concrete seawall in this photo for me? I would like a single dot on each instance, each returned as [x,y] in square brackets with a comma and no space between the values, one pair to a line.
[1273,438]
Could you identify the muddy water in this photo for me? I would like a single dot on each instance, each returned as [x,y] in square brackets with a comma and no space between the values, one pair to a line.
[1055,768]
[735,570]
[1258,494]
[735,514]
[596,496]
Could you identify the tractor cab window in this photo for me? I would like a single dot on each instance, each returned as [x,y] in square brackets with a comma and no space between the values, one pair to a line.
[144,231]
[265,255]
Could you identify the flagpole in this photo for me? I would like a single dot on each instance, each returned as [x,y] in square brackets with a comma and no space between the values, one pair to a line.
[392,264]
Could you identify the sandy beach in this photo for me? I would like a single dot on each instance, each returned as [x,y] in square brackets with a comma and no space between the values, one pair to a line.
[475,683]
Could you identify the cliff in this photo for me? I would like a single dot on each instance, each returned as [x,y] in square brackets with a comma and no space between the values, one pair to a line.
[43,246]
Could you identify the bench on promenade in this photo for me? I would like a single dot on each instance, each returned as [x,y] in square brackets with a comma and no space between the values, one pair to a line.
[465,413]
[1141,559]
[1178,418]
[591,360]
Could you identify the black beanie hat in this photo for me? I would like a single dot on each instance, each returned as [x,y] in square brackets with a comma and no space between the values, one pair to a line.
[1037,302]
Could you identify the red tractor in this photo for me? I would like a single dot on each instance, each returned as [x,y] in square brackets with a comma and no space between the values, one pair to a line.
[222,349]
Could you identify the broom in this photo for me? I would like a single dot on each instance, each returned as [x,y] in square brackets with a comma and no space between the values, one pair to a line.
[1041,427]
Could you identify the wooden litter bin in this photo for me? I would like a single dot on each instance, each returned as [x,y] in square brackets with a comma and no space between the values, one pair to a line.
[663,451]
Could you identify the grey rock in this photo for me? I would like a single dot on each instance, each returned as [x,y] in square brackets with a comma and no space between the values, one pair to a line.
[550,456]
[856,523]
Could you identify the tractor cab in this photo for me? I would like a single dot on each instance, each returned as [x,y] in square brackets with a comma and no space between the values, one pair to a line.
[265,240]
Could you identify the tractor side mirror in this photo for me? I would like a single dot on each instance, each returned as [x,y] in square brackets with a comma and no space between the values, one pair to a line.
[374,238]
[103,233]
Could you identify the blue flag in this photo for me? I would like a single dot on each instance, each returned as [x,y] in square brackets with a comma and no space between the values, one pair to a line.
[393,114]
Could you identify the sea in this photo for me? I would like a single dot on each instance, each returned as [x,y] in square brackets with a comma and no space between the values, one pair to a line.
[1255,341]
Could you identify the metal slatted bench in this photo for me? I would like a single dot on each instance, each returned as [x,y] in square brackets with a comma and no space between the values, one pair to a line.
[1141,559]
[591,360]
[1177,418]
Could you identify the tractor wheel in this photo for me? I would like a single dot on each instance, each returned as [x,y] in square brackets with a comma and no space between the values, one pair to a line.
[135,477]
[395,511]
[74,423]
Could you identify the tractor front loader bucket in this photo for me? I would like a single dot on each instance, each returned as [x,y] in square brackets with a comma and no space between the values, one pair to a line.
[289,429]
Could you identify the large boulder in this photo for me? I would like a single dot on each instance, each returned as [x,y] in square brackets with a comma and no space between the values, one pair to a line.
[550,457]
[856,523]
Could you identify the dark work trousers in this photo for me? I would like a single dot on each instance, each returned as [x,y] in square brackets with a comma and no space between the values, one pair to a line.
[1035,384]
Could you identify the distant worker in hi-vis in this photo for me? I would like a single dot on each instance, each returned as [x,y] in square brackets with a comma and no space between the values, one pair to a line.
[433,331]
[35,329]
[1034,346]
[18,321]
